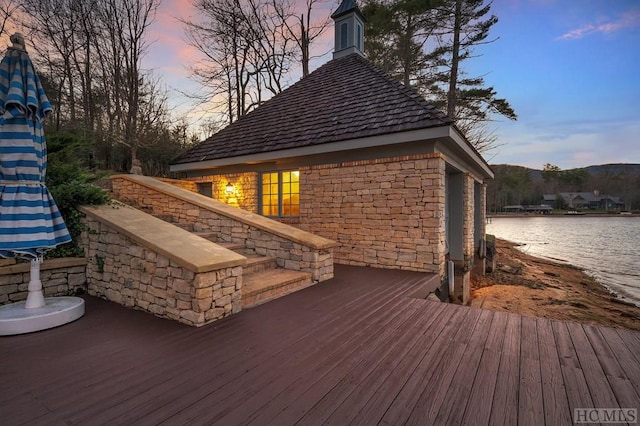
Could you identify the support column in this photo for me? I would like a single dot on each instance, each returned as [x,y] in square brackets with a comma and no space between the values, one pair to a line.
[463,275]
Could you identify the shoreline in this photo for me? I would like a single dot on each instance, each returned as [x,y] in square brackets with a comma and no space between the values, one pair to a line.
[528,215]
[537,286]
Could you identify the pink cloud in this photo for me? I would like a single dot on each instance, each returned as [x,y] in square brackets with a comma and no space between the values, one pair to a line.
[630,18]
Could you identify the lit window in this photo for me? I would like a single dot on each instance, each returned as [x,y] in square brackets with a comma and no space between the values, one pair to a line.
[280,194]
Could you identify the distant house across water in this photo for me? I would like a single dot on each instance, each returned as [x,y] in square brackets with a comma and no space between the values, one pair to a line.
[585,200]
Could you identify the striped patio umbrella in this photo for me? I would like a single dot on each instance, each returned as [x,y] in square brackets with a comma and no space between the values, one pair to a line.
[30,222]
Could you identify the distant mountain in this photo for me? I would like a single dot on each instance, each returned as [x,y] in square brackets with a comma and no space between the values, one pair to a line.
[619,169]
[615,169]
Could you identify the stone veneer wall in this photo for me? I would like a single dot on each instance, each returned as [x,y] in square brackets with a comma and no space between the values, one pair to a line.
[288,253]
[468,244]
[59,277]
[184,184]
[123,271]
[245,185]
[385,213]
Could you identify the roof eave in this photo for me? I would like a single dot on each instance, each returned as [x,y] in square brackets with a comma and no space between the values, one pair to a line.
[345,145]
[470,152]
[444,133]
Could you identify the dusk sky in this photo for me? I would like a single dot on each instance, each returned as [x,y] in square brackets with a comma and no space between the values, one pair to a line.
[570,69]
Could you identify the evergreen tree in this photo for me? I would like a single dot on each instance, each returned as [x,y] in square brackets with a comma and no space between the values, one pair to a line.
[424,44]
[396,35]
[468,101]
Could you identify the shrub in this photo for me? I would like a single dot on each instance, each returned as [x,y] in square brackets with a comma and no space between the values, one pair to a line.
[71,184]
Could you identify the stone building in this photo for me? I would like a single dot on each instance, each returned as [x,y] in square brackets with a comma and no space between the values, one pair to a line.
[352,155]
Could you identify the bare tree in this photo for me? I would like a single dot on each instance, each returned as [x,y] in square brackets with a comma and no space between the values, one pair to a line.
[55,26]
[248,47]
[302,30]
[91,52]
[126,22]
[8,9]
[224,39]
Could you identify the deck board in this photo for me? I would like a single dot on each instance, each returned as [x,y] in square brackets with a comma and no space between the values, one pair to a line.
[266,361]
[435,389]
[397,364]
[397,393]
[554,396]
[573,376]
[478,407]
[455,399]
[599,388]
[624,355]
[357,349]
[504,409]
[347,382]
[334,362]
[530,403]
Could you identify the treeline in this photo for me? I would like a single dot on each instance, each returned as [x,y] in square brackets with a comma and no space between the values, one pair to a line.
[90,53]
[514,185]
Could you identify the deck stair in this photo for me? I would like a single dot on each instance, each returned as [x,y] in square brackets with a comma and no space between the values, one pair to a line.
[262,279]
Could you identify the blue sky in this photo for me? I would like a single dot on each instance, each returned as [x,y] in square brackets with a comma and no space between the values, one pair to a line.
[570,69]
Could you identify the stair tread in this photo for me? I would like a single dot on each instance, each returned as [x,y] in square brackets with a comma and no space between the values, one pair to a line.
[271,278]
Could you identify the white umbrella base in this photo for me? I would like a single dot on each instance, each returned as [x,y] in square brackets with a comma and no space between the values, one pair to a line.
[16,319]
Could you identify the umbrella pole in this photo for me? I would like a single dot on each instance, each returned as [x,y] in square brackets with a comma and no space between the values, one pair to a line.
[35,299]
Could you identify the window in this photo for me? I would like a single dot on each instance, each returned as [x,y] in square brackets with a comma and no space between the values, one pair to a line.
[280,194]
[344,35]
[359,36]
[205,188]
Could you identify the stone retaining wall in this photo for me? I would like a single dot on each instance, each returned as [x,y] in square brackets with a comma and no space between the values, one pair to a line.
[291,253]
[124,271]
[60,277]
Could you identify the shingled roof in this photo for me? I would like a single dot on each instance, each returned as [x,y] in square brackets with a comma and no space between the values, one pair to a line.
[347,98]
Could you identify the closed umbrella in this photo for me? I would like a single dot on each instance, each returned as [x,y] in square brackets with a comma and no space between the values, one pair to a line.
[30,222]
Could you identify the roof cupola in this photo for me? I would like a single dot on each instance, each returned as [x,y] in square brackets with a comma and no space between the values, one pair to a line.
[349,29]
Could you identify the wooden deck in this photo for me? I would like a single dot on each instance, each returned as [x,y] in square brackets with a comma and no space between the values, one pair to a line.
[354,350]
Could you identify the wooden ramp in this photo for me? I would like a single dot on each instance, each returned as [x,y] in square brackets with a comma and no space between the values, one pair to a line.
[356,349]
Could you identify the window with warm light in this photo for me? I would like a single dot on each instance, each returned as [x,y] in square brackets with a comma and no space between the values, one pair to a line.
[280,194]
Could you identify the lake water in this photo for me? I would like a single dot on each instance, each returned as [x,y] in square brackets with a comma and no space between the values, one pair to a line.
[607,248]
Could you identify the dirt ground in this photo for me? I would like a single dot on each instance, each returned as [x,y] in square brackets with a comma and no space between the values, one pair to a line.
[538,287]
